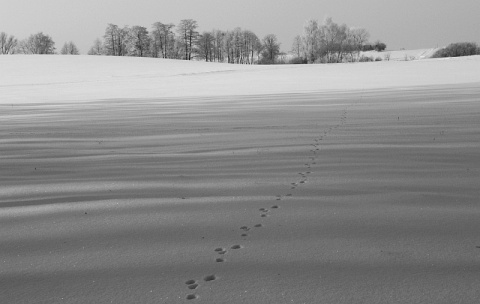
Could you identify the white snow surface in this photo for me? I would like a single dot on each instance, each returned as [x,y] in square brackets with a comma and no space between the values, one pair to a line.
[39,78]
[130,180]
[402,55]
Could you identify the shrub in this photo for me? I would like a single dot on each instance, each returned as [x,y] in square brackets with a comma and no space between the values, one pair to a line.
[364,58]
[367,47]
[298,60]
[378,59]
[264,61]
[380,46]
[457,50]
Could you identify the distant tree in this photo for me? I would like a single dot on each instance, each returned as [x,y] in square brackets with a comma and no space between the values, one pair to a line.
[333,41]
[97,48]
[357,38]
[37,44]
[297,46]
[271,49]
[115,39]
[241,46]
[218,45]
[311,40]
[379,46]
[7,43]
[137,41]
[253,46]
[69,48]
[163,40]
[458,49]
[205,46]
[367,47]
[329,42]
[187,32]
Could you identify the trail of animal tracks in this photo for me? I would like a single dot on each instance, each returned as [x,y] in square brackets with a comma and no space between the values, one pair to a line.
[353,196]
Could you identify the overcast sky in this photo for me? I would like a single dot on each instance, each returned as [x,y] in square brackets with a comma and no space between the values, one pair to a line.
[408,24]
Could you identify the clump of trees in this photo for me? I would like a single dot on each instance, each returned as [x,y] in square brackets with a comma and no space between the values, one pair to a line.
[329,42]
[458,49]
[69,48]
[377,46]
[38,43]
[183,41]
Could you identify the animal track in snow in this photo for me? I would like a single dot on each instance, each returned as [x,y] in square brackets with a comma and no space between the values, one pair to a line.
[193,286]
[209,278]
[220,250]
[265,212]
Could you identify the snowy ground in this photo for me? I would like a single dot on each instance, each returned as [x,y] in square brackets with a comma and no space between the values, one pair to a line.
[402,55]
[124,179]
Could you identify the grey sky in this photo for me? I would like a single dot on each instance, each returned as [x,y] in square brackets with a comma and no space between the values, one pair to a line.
[406,24]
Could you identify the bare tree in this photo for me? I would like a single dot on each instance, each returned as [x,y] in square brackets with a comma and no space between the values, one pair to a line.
[7,43]
[137,41]
[97,48]
[115,40]
[205,44]
[297,46]
[219,45]
[37,44]
[240,46]
[311,40]
[253,46]
[186,30]
[69,48]
[357,38]
[163,39]
[333,39]
[271,49]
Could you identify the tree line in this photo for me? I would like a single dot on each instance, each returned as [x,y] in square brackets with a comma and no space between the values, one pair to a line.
[326,42]
[183,41]
[38,43]
[319,43]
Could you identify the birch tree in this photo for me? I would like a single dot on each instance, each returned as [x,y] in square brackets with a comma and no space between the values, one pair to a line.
[311,40]
[297,46]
